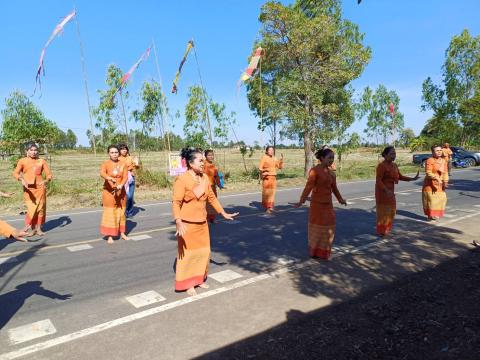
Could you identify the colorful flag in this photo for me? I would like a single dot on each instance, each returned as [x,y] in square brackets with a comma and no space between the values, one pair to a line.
[177,75]
[58,29]
[134,67]
[129,73]
[392,108]
[253,65]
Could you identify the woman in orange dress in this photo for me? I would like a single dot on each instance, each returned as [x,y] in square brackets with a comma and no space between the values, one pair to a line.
[132,164]
[191,192]
[321,221]
[212,173]
[268,172]
[434,197]
[29,172]
[114,197]
[388,175]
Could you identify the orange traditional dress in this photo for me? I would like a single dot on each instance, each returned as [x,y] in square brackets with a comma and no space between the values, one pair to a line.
[189,204]
[434,197]
[212,173]
[388,175]
[113,201]
[35,194]
[321,219]
[268,170]
[5,229]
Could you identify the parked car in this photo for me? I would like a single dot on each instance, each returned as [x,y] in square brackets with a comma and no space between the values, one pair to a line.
[469,158]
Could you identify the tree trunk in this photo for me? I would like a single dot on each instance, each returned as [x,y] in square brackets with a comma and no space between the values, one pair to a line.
[308,148]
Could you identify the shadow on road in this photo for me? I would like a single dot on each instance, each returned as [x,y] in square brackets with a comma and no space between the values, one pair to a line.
[258,244]
[12,301]
[421,316]
[61,222]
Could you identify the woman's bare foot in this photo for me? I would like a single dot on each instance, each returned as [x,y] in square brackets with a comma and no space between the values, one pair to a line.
[191,291]
[110,240]
[39,232]
[269,211]
[124,237]
[204,286]
[31,233]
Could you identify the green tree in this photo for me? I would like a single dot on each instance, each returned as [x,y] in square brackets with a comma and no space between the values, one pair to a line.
[23,122]
[200,130]
[456,102]
[311,53]
[108,114]
[380,123]
[151,96]
[406,135]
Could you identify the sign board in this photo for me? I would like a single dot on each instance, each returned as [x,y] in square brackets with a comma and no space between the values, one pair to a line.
[176,165]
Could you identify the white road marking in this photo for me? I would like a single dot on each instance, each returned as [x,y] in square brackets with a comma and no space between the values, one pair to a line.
[225,276]
[140,237]
[7,260]
[351,202]
[457,219]
[145,298]
[79,247]
[404,193]
[449,216]
[367,199]
[285,261]
[31,331]
[478,205]
[297,211]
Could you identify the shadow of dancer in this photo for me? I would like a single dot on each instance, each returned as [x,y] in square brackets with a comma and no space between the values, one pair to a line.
[62,221]
[12,301]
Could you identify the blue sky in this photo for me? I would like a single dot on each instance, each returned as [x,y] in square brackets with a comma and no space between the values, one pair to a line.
[408,40]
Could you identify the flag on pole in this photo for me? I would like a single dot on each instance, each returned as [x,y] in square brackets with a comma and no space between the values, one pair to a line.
[58,29]
[247,74]
[134,67]
[177,75]
[392,108]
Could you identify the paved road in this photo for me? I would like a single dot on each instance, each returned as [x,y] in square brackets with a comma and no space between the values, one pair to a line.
[72,286]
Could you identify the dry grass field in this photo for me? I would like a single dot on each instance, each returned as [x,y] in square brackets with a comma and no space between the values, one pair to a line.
[77,182]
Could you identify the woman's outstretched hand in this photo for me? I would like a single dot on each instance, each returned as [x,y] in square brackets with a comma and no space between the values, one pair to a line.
[229,216]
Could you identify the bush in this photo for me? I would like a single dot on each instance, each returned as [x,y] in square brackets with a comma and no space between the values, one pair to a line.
[152,178]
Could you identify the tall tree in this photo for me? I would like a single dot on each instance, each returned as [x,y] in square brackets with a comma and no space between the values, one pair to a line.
[311,51]
[23,122]
[196,127]
[376,107]
[151,96]
[110,112]
[456,102]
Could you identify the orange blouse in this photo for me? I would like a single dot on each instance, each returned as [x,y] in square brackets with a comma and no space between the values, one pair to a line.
[269,165]
[190,199]
[212,173]
[131,166]
[116,170]
[447,153]
[436,173]
[5,229]
[321,182]
[388,175]
[31,170]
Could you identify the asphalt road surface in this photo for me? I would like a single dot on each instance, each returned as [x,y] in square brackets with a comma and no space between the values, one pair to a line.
[70,295]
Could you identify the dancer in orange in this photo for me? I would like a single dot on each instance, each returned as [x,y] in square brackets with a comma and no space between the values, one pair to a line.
[212,173]
[321,221]
[191,192]
[29,172]
[447,154]
[132,164]
[434,197]
[388,175]
[114,197]
[268,172]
